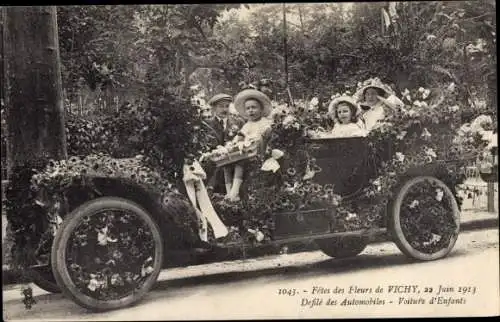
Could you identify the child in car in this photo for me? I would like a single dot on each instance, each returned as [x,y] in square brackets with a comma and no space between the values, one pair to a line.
[344,111]
[254,106]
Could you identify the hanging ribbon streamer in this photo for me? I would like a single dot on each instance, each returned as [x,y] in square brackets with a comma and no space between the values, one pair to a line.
[198,195]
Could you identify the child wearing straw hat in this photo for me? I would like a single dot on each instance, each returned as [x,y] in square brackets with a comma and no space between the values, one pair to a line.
[344,110]
[255,107]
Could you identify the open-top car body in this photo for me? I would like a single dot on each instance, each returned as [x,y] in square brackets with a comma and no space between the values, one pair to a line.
[115,237]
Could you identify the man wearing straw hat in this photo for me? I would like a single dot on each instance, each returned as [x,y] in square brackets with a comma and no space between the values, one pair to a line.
[224,126]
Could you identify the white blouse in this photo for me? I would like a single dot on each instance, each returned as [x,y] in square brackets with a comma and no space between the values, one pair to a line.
[347,130]
[377,112]
[256,129]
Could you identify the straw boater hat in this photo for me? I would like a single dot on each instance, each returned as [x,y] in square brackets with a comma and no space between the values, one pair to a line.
[244,95]
[218,98]
[382,88]
[342,99]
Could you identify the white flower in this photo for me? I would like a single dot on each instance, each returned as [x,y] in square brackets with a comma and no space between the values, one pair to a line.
[401,135]
[408,97]
[421,90]
[405,92]
[351,216]
[431,37]
[424,104]
[454,108]
[146,270]
[488,136]
[400,156]
[103,237]
[426,134]
[431,153]
[314,101]
[335,96]
[439,194]
[451,87]
[93,284]
[414,203]
[426,94]
[288,120]
[116,279]
[417,103]
[479,122]
[336,200]
[412,113]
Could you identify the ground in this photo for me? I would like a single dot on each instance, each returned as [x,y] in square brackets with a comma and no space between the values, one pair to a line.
[249,288]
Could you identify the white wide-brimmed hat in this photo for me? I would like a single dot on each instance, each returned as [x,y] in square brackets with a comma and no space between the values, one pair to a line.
[245,95]
[372,83]
[342,99]
[220,97]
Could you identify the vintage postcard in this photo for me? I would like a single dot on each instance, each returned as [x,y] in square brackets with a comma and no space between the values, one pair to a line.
[249,161]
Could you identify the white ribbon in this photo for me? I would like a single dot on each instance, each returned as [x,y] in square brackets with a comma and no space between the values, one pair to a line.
[198,195]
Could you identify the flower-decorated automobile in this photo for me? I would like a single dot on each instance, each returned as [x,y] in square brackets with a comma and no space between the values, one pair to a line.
[112,224]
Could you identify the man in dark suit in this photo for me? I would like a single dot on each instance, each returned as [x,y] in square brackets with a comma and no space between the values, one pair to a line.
[224,127]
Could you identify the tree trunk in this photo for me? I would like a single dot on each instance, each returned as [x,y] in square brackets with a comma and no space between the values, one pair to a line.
[33,91]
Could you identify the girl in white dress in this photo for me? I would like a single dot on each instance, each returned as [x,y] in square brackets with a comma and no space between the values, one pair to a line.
[344,111]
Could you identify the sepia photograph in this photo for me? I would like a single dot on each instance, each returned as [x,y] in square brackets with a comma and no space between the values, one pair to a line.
[233,161]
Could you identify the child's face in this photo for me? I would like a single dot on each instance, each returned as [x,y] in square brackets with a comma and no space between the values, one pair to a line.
[371,95]
[253,110]
[344,113]
[221,109]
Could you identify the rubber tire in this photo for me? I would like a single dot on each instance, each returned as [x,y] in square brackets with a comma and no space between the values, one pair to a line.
[59,246]
[394,220]
[342,247]
[43,281]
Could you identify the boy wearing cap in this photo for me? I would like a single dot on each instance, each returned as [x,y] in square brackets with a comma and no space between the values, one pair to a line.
[225,126]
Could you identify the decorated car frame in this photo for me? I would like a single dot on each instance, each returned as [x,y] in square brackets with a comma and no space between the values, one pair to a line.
[113,234]
[111,225]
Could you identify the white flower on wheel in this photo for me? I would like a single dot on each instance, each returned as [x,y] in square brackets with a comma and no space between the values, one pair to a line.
[426,94]
[146,270]
[439,194]
[103,237]
[94,283]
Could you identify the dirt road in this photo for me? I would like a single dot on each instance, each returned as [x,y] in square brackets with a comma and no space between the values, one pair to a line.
[323,287]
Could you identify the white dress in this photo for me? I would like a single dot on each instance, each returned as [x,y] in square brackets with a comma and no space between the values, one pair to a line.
[257,129]
[347,130]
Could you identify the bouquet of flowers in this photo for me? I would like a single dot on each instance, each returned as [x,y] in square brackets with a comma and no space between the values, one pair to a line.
[233,151]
